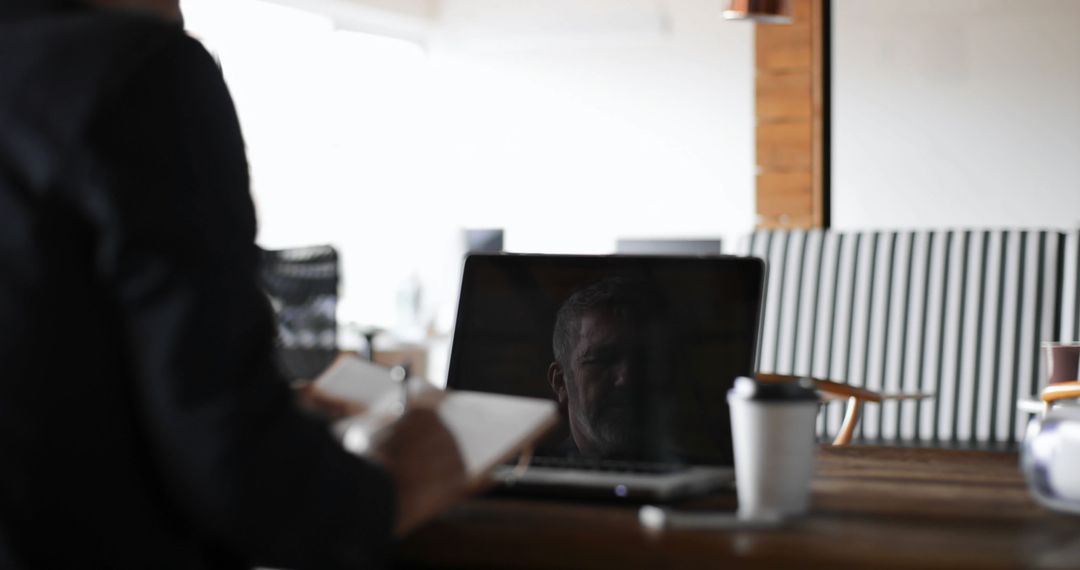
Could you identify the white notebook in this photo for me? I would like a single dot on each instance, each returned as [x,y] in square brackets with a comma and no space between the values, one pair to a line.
[489,428]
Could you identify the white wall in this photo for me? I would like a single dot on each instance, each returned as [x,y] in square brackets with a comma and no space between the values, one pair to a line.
[567,127]
[956,113]
[582,134]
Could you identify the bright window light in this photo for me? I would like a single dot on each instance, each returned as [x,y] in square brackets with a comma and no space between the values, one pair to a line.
[388,148]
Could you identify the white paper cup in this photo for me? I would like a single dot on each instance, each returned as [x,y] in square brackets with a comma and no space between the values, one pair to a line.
[774,444]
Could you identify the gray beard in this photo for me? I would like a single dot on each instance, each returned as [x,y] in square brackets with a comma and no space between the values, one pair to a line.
[616,433]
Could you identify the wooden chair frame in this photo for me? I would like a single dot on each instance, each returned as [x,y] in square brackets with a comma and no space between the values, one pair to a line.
[1059,391]
[855,397]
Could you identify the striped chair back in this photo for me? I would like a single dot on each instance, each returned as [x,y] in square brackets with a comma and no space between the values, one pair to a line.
[958,313]
[1070,306]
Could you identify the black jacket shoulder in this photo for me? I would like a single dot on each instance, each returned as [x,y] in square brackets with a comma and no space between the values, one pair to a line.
[59,70]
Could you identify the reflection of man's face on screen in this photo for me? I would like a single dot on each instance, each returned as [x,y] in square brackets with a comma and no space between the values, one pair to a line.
[605,369]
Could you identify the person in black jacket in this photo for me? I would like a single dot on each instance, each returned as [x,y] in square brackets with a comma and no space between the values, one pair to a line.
[142,422]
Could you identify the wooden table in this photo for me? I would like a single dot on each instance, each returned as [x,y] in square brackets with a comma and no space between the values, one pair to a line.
[872,508]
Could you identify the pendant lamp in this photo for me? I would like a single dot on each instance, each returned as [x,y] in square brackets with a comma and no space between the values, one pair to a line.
[761,11]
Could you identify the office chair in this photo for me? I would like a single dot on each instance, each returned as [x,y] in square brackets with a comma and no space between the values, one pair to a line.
[302,284]
[669,246]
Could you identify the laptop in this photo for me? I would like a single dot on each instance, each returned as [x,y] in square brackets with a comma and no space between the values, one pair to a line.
[637,351]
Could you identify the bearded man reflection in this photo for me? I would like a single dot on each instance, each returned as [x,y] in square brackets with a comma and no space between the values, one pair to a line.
[611,348]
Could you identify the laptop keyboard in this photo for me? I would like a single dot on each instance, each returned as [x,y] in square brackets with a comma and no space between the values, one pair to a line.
[646,468]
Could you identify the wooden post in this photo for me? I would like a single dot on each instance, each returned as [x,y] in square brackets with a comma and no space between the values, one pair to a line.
[791,111]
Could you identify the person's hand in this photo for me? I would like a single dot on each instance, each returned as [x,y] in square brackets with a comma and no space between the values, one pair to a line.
[424,461]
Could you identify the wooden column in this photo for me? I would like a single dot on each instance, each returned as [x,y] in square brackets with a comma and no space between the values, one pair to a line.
[791,109]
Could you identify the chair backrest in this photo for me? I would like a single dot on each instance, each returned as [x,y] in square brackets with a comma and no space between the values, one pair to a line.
[302,284]
[1070,285]
[669,246]
[486,240]
[959,313]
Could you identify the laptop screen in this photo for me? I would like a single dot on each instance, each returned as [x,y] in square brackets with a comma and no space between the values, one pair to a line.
[638,351]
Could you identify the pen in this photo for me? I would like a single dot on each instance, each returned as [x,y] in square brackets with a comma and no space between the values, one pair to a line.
[658,518]
[401,375]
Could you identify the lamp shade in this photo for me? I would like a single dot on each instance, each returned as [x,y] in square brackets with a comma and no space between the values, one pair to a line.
[763,11]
